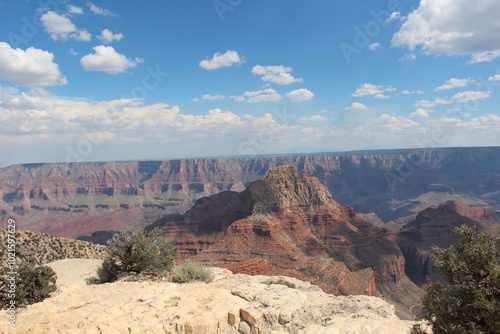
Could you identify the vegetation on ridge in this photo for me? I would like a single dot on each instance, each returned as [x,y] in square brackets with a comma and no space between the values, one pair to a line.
[470,302]
[135,250]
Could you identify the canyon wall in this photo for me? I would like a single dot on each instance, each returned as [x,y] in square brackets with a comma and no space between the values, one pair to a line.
[80,198]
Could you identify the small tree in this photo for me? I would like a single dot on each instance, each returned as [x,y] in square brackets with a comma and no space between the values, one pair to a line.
[470,303]
[32,284]
[136,250]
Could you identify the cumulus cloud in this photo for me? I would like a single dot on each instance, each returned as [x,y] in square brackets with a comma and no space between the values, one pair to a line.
[368,89]
[74,9]
[459,27]
[33,67]
[263,95]
[453,83]
[355,106]
[301,94]
[419,113]
[374,46]
[496,77]
[100,11]
[60,27]
[208,97]
[395,124]
[312,119]
[468,96]
[229,58]
[395,16]
[407,92]
[107,36]
[106,59]
[276,74]
[424,104]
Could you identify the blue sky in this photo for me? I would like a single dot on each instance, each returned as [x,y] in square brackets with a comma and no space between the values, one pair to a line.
[127,80]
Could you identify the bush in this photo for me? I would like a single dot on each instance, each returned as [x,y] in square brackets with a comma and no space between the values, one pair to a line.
[191,271]
[470,303]
[136,250]
[109,270]
[281,281]
[33,284]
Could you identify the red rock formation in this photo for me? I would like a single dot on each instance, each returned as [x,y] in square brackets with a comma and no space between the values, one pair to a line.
[81,198]
[434,227]
[288,224]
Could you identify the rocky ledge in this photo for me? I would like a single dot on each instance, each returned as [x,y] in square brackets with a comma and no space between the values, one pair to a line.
[230,304]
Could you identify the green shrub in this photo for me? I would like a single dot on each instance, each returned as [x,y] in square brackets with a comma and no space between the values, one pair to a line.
[281,281]
[33,284]
[470,303]
[108,272]
[191,271]
[136,250]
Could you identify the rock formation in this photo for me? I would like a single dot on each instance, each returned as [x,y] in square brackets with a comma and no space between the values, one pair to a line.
[231,304]
[76,199]
[288,224]
[434,227]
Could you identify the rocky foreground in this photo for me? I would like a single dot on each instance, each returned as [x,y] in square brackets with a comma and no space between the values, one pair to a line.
[230,304]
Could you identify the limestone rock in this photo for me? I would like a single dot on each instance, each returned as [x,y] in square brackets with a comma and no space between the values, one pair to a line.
[199,308]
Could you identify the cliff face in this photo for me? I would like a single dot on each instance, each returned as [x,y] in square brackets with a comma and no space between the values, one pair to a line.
[434,227]
[288,224]
[80,198]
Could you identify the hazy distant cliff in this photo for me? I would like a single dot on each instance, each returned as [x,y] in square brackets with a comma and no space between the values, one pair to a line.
[79,198]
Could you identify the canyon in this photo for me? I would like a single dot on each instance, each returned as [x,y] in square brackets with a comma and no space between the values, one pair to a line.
[386,187]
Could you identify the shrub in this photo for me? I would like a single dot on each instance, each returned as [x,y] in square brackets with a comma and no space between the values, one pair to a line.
[109,270]
[470,303]
[281,281]
[136,250]
[191,271]
[33,284]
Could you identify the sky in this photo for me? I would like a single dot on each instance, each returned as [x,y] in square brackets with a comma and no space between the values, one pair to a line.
[152,80]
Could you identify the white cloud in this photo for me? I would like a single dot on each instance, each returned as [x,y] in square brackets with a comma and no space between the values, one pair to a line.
[407,92]
[419,113]
[100,11]
[264,95]
[208,97]
[355,106]
[107,36]
[439,100]
[33,67]
[236,98]
[374,46]
[229,58]
[301,94]
[395,124]
[106,59]
[60,27]
[395,16]
[82,35]
[74,9]
[368,89]
[381,96]
[496,77]
[489,122]
[458,27]
[72,52]
[468,96]
[276,74]
[424,104]
[312,119]
[408,56]
[453,83]
[139,60]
